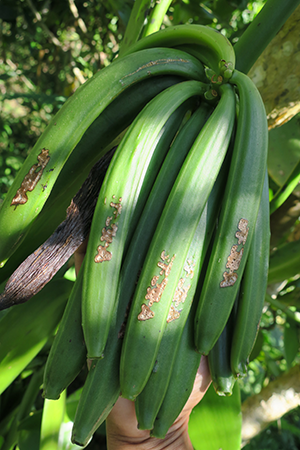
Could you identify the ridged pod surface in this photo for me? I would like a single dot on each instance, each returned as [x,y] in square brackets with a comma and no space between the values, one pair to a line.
[170,244]
[238,216]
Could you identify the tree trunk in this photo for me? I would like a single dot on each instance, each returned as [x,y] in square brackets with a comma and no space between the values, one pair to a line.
[276,73]
[279,397]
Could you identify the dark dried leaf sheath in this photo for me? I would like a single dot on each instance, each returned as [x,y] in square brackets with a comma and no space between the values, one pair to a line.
[40,267]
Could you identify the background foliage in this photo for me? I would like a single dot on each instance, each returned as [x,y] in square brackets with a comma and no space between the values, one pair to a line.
[47,49]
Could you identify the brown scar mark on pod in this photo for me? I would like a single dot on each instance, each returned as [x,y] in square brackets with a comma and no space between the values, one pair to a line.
[154,294]
[166,267]
[155,291]
[31,179]
[109,233]
[108,220]
[181,293]
[146,313]
[234,259]
[189,269]
[242,234]
[118,208]
[154,280]
[173,314]
[229,278]
[103,254]
[164,256]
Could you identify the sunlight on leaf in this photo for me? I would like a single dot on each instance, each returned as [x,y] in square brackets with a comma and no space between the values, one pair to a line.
[216,422]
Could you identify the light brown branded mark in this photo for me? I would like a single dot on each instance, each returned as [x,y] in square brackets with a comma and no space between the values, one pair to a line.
[181,292]
[108,233]
[235,257]
[155,290]
[31,179]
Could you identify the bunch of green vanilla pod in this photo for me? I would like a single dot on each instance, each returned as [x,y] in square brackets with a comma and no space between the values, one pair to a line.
[177,255]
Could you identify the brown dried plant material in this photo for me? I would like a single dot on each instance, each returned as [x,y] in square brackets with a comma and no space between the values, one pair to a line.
[40,267]
[31,179]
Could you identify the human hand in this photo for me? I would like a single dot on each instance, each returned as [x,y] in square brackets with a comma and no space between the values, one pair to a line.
[121,424]
[122,432]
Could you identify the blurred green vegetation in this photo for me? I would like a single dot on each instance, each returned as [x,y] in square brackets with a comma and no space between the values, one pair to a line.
[48,48]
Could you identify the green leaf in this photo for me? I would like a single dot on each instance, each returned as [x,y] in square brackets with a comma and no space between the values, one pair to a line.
[284,150]
[284,262]
[71,405]
[26,328]
[52,419]
[216,422]
[29,432]
[65,431]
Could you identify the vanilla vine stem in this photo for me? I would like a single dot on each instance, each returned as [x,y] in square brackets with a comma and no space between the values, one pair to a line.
[261,31]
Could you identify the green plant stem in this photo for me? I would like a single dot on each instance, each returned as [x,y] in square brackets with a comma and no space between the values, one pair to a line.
[135,23]
[285,191]
[261,31]
[294,315]
[157,16]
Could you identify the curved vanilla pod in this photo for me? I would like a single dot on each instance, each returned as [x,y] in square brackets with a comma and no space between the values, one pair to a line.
[122,196]
[213,46]
[108,126]
[37,176]
[168,249]
[144,231]
[102,386]
[101,389]
[148,402]
[253,289]
[41,266]
[237,218]
[67,355]
[223,379]
[182,380]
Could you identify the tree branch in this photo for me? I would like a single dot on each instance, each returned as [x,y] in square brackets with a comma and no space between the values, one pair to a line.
[279,397]
[39,19]
[276,73]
